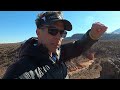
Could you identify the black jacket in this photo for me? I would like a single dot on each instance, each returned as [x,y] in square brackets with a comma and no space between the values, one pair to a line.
[35,62]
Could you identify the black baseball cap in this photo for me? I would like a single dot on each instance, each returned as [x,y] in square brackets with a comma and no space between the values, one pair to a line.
[50,17]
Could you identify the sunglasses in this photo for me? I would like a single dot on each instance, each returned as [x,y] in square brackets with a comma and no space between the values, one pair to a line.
[54,31]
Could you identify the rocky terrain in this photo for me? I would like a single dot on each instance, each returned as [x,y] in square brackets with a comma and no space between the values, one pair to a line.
[102,61]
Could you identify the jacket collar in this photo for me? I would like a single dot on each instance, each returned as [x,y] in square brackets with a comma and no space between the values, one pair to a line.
[32,49]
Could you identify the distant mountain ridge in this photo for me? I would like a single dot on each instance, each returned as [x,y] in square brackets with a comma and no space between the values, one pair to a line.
[116,31]
[115,35]
[104,37]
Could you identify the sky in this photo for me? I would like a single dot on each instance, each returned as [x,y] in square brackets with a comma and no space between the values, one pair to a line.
[17,26]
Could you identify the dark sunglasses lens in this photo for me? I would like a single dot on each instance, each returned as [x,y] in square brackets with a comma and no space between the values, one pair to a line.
[53,31]
[63,34]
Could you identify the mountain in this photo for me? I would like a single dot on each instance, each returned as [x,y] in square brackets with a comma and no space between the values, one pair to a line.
[104,37]
[115,35]
[116,31]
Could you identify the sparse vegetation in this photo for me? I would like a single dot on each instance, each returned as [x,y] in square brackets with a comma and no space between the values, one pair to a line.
[103,51]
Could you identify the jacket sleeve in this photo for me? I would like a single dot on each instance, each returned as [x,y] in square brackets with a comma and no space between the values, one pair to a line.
[76,48]
[16,69]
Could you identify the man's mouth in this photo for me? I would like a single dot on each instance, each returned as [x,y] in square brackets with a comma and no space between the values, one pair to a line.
[55,45]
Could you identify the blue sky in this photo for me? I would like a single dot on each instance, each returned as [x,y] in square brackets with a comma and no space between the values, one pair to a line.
[16,26]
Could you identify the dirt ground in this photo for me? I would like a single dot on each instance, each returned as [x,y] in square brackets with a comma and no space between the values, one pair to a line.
[103,61]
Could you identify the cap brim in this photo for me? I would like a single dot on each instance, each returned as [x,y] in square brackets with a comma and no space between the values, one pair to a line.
[67,24]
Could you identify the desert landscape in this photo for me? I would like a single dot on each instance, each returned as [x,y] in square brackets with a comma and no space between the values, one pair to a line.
[101,61]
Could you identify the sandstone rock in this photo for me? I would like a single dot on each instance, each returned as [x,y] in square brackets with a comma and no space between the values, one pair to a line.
[109,70]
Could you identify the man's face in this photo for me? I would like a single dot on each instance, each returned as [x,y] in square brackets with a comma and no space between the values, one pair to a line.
[52,42]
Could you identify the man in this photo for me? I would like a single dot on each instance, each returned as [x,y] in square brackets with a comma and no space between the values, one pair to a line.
[44,57]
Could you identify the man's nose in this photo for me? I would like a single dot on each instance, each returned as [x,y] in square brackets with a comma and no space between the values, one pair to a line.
[58,36]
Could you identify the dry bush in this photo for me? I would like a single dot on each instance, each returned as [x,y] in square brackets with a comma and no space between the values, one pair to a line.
[8,55]
[102,51]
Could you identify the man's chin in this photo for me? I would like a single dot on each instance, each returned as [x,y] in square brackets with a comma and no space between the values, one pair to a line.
[54,50]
